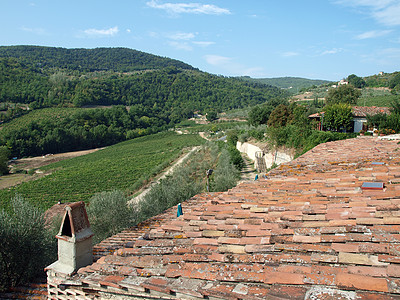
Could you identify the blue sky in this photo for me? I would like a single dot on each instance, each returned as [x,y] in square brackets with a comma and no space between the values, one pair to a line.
[318,39]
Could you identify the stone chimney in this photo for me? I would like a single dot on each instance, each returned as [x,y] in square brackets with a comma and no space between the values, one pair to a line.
[74,241]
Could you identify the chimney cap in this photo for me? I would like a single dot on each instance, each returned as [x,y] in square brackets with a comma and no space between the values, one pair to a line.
[75,225]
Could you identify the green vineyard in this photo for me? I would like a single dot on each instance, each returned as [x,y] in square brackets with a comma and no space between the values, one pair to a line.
[120,166]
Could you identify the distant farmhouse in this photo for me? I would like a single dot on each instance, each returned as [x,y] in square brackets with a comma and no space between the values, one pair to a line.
[359,117]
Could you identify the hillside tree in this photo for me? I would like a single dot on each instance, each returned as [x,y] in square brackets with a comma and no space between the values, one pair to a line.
[343,94]
[357,82]
[338,116]
[280,116]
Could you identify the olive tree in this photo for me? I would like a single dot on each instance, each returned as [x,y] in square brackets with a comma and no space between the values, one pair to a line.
[343,94]
[27,245]
[109,213]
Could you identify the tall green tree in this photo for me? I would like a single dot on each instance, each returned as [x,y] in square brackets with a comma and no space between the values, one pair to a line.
[338,116]
[4,157]
[356,81]
[343,94]
[259,114]
[280,116]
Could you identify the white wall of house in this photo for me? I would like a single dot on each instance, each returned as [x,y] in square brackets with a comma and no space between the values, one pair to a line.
[358,124]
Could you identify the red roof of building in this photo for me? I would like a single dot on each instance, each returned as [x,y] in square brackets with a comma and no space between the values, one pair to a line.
[308,231]
[361,111]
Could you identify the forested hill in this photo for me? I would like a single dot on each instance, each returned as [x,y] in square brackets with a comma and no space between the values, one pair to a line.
[177,89]
[145,101]
[99,59]
[292,83]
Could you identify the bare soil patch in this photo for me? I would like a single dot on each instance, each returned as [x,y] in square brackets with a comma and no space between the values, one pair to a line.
[20,167]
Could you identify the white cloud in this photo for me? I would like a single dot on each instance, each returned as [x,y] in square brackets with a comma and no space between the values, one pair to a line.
[375,4]
[128,31]
[217,60]
[182,36]
[254,72]
[102,32]
[204,44]
[332,51]
[230,66]
[390,53]
[38,31]
[372,34]
[387,57]
[386,12]
[389,16]
[290,54]
[180,45]
[192,8]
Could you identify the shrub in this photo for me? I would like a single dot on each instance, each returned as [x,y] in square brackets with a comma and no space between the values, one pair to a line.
[244,137]
[235,157]
[226,174]
[109,213]
[338,116]
[189,179]
[319,137]
[27,246]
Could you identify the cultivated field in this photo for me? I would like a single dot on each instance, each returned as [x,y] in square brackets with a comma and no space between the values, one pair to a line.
[125,166]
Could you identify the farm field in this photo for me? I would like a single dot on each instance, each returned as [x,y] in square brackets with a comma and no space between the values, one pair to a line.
[122,166]
[38,115]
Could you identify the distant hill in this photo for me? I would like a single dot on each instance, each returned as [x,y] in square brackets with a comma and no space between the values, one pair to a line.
[99,59]
[294,84]
[152,94]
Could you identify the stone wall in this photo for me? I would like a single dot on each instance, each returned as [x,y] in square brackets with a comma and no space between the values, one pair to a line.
[277,156]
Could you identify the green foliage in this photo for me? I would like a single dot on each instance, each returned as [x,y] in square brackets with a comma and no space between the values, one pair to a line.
[216,125]
[395,82]
[116,59]
[395,104]
[235,157]
[320,137]
[226,173]
[260,114]
[116,167]
[343,94]
[26,244]
[293,84]
[338,116]
[385,121]
[109,213]
[189,179]
[376,120]
[4,157]
[212,115]
[356,81]
[47,77]
[392,122]
[280,116]
[232,137]
[70,130]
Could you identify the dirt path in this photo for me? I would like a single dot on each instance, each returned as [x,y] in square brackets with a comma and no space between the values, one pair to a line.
[248,172]
[148,187]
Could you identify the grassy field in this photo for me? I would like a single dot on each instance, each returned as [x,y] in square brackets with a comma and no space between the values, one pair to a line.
[124,166]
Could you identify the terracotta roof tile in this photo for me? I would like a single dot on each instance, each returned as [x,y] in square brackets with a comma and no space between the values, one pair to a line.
[308,231]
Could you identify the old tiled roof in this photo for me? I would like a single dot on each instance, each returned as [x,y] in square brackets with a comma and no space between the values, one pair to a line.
[308,231]
[363,111]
